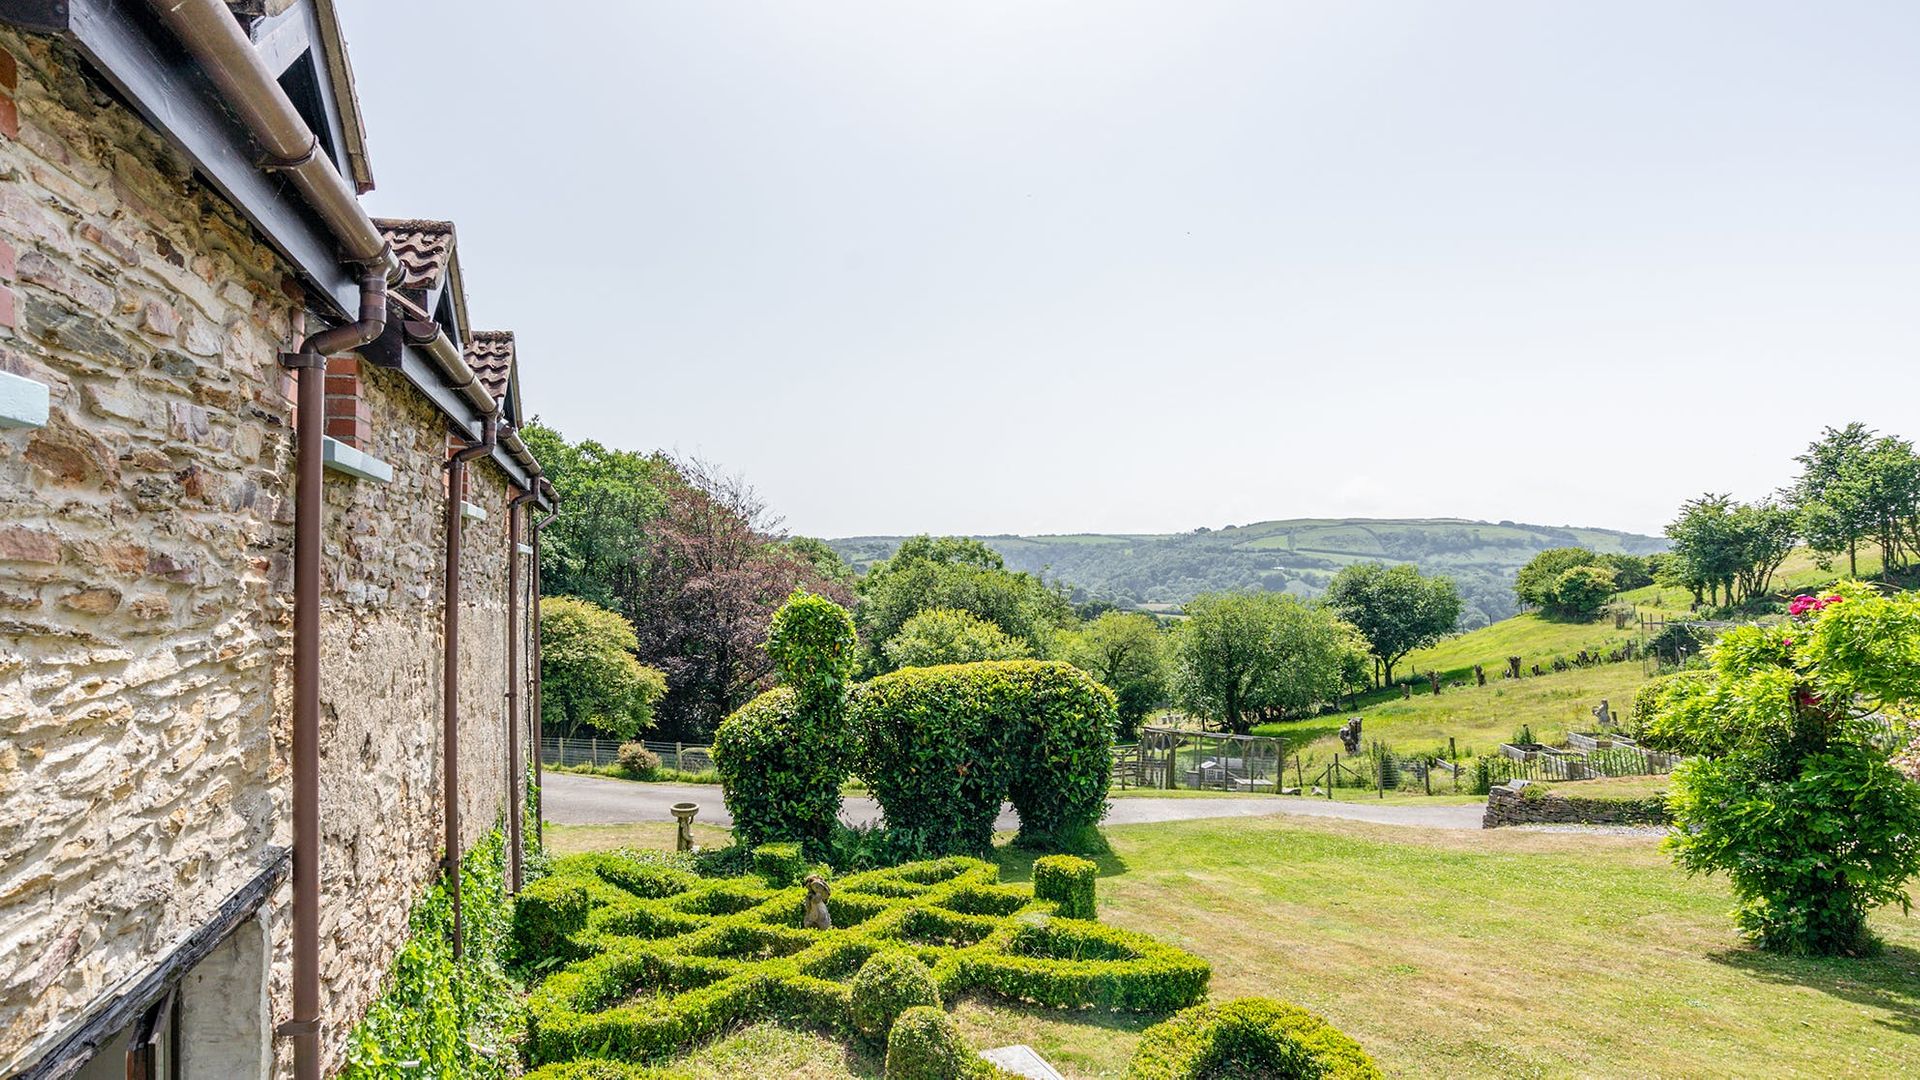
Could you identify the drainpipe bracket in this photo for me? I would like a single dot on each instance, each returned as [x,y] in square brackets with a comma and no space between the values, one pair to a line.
[296,361]
[276,164]
[297,1028]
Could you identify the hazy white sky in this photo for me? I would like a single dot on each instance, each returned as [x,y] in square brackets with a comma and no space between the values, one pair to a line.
[1048,267]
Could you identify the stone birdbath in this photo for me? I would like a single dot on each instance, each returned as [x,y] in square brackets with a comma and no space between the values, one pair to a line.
[683,813]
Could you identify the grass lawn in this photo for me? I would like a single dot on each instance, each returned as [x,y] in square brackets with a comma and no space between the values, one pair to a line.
[1478,718]
[571,839]
[1449,954]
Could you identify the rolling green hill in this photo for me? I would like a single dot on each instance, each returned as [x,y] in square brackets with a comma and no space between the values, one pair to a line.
[1162,571]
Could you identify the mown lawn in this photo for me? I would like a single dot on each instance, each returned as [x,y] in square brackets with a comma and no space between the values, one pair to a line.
[1450,954]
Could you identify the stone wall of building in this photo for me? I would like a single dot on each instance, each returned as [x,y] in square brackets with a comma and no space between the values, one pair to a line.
[146,588]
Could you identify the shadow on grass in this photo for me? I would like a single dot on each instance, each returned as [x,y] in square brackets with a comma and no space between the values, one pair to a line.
[1889,982]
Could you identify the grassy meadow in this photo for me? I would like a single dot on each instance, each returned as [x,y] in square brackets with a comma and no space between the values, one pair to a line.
[1446,954]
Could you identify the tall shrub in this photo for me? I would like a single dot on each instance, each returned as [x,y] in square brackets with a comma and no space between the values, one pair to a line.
[1792,794]
[783,755]
[589,676]
[941,747]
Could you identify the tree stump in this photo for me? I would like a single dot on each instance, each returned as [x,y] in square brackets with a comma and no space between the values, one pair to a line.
[1433,677]
[1479,675]
[1406,691]
[1513,667]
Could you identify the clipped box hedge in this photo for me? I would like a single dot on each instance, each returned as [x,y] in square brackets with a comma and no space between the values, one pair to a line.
[1249,1037]
[675,960]
[1067,881]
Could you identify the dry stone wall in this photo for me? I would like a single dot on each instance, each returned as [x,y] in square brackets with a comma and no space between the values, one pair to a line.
[1512,806]
[145,589]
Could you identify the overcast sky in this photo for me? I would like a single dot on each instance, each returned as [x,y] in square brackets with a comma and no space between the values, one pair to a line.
[1100,266]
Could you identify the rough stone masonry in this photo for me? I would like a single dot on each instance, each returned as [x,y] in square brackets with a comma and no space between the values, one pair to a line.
[145,587]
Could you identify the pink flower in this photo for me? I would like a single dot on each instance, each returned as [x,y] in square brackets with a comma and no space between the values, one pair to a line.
[1800,605]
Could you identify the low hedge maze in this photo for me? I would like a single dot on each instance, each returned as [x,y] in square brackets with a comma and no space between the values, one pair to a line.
[658,960]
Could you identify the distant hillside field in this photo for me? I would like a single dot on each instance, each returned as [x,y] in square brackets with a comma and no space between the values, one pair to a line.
[1162,572]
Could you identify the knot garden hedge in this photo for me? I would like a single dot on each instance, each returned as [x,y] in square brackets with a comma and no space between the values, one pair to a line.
[658,960]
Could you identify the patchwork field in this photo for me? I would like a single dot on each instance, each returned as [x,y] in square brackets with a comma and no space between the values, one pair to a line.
[1508,953]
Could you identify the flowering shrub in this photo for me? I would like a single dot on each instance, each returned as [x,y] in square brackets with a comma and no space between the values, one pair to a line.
[1792,794]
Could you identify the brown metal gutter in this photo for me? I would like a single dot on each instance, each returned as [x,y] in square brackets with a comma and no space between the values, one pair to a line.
[310,360]
[515,771]
[539,830]
[450,669]
[214,37]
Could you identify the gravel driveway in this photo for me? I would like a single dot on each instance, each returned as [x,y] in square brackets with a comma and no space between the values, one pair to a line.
[574,799]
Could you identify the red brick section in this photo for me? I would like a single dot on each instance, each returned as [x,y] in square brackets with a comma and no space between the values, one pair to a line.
[349,417]
[9,82]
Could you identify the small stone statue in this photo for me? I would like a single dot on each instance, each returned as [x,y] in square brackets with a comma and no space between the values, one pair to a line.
[1479,675]
[1603,714]
[1433,678]
[817,917]
[1350,735]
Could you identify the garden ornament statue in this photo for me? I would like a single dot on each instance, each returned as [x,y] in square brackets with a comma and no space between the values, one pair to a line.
[817,916]
[683,813]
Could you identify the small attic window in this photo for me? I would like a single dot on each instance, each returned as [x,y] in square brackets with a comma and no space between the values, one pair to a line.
[301,81]
[443,314]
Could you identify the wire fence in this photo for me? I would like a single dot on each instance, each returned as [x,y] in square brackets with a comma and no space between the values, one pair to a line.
[596,751]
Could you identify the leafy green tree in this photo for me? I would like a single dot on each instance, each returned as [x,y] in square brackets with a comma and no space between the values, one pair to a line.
[1791,792]
[1581,592]
[1241,656]
[1127,653]
[1535,582]
[962,574]
[589,677]
[951,636]
[1395,608]
[1833,512]
[1730,550]
[1629,571]
[826,562]
[597,549]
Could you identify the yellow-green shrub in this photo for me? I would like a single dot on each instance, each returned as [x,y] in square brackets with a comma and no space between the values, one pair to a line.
[1249,1037]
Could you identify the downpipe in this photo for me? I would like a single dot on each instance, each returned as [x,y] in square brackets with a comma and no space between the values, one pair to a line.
[310,362]
[450,669]
[515,770]
[539,732]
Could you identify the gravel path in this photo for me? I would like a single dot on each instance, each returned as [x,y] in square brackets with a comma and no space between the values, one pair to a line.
[573,799]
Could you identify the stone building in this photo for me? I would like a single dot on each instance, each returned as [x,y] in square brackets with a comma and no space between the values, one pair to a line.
[180,246]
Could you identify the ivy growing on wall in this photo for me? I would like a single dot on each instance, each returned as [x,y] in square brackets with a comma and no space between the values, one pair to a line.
[442,1017]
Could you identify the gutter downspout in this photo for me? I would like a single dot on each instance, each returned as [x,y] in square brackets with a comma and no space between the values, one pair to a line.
[310,360]
[515,777]
[539,733]
[450,669]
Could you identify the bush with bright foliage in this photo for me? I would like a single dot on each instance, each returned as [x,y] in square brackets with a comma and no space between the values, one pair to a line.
[589,676]
[1791,792]
[942,747]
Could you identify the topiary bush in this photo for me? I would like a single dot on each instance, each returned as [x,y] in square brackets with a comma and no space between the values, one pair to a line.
[783,755]
[780,864]
[924,1045]
[887,984]
[1249,1037]
[1068,882]
[942,747]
